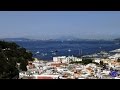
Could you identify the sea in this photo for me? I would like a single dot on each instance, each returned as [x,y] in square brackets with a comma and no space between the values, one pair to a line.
[46,50]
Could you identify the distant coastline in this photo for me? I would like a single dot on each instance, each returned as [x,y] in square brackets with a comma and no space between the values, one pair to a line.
[59,39]
[50,48]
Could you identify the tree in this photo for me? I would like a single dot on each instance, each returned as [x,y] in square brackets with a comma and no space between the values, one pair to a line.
[101,63]
[23,65]
[87,61]
[10,55]
[118,60]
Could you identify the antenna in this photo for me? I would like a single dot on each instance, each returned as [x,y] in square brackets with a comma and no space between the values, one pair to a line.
[80,52]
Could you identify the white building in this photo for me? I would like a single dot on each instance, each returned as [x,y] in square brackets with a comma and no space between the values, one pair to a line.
[61,59]
[115,57]
[64,59]
[97,60]
[46,76]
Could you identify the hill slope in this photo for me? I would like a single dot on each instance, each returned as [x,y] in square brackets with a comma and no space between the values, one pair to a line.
[10,55]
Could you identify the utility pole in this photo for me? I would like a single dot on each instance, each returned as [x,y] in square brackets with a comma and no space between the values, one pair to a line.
[80,52]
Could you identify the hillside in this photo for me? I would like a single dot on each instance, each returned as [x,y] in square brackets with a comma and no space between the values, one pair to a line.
[10,55]
[15,39]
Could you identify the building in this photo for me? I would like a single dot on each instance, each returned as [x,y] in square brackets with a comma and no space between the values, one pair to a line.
[97,60]
[46,76]
[64,59]
[115,57]
[61,59]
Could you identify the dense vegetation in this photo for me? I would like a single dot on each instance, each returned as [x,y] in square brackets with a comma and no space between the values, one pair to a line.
[84,61]
[118,60]
[10,55]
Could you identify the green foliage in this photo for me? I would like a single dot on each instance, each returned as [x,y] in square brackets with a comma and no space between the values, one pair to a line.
[87,61]
[75,62]
[23,65]
[118,60]
[84,61]
[10,55]
[101,63]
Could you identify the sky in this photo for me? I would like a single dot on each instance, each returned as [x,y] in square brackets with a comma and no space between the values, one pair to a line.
[54,24]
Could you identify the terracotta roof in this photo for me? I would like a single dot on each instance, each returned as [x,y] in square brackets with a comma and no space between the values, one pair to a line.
[44,78]
[58,64]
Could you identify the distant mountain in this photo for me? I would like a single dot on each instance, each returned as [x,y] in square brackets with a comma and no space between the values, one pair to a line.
[72,38]
[15,39]
[117,39]
[63,38]
[67,38]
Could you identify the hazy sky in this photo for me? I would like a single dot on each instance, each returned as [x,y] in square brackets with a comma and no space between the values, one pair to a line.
[52,24]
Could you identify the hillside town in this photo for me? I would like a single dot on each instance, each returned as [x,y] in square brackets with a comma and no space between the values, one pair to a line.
[103,66]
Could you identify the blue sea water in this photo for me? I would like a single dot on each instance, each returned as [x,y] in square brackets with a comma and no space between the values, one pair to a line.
[49,49]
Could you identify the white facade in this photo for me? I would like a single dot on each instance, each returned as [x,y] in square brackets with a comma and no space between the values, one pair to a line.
[36,60]
[97,60]
[61,59]
[105,72]
[71,58]
[91,65]
[64,59]
[115,57]
[52,76]
[55,59]
[79,59]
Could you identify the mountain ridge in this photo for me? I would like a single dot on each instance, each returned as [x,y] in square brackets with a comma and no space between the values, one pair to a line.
[67,38]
